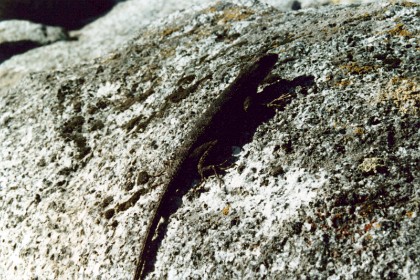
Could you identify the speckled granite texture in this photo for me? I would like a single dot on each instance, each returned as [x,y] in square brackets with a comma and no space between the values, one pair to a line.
[328,188]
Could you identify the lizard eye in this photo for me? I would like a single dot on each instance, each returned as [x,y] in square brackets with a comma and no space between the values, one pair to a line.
[247,103]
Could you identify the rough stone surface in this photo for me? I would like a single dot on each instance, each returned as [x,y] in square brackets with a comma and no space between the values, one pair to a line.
[122,23]
[327,189]
[66,13]
[17,36]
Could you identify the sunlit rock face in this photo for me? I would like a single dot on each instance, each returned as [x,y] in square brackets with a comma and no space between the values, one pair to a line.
[326,187]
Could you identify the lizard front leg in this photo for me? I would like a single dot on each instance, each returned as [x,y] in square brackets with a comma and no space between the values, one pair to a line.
[205,149]
[202,166]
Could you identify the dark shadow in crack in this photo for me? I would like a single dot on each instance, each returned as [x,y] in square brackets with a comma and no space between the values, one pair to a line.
[9,49]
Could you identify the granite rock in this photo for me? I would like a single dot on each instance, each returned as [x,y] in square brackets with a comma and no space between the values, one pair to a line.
[18,36]
[70,14]
[328,187]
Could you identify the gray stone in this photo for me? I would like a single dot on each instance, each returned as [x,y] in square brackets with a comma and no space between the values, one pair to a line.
[326,189]
[17,36]
[66,13]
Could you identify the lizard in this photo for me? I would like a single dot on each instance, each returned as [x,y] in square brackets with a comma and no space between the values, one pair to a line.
[212,127]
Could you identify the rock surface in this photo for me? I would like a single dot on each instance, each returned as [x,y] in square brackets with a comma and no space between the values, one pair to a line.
[18,36]
[328,188]
[66,13]
[120,25]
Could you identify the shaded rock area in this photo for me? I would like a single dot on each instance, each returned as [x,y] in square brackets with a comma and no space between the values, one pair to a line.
[18,36]
[70,14]
[328,187]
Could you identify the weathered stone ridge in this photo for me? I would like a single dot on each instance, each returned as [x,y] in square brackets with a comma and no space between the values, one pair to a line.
[328,187]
